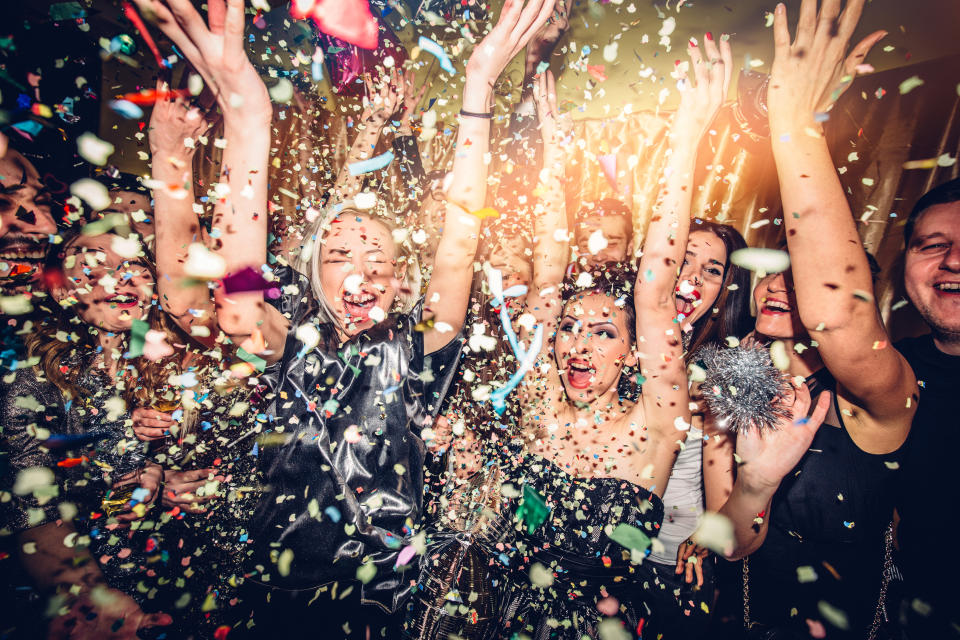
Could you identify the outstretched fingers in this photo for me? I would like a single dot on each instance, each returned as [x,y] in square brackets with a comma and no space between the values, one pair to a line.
[781,32]
[860,51]
[233,31]
[726,54]
[535,14]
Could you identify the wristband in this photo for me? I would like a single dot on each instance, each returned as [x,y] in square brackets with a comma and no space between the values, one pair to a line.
[470,114]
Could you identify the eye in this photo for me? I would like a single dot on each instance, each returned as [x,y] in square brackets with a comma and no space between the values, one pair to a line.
[606,333]
[566,326]
[714,272]
[935,246]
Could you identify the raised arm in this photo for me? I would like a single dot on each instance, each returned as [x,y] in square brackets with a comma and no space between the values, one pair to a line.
[379,106]
[764,460]
[173,132]
[449,292]
[665,400]
[543,391]
[833,283]
[240,213]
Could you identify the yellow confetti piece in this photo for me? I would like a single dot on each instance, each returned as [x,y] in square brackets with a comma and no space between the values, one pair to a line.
[486,212]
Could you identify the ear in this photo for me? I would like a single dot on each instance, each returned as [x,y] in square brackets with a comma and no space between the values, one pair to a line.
[631,360]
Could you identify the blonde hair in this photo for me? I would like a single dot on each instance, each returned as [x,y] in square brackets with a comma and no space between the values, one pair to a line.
[308,259]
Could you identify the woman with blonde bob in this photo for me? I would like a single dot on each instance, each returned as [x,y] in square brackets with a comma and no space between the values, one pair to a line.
[355,380]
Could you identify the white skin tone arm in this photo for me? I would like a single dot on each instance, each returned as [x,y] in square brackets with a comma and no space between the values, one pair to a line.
[449,291]
[830,271]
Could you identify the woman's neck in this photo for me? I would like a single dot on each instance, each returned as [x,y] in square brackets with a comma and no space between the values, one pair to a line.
[803,362]
[608,406]
[112,345]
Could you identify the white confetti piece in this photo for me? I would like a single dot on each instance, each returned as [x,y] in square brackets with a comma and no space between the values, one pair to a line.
[204,264]
[365,200]
[377,314]
[282,92]
[91,192]
[766,260]
[93,149]
[597,242]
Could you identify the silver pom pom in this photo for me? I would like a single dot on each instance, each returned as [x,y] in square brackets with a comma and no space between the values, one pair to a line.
[742,386]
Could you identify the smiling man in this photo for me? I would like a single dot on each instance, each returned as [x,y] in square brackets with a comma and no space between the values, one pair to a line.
[928,506]
[26,223]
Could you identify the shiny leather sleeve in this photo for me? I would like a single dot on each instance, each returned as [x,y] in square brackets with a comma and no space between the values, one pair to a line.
[343,464]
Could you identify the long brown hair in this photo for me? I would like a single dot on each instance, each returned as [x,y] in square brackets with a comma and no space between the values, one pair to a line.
[66,346]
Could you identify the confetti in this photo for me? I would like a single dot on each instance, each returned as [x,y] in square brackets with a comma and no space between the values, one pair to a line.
[763,260]
[373,164]
[436,50]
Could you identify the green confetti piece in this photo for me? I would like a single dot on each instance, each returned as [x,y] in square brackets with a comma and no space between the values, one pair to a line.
[630,537]
[543,66]
[910,84]
[806,574]
[834,616]
[533,509]
[366,572]
[259,363]
[283,563]
[138,336]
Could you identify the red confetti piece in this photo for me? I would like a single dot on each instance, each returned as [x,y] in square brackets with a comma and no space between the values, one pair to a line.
[134,17]
[69,462]
[348,20]
[150,96]
[596,72]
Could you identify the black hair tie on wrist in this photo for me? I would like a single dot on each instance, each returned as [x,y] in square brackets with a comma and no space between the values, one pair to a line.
[470,114]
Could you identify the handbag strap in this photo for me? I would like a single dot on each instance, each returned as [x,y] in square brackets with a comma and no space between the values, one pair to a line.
[879,616]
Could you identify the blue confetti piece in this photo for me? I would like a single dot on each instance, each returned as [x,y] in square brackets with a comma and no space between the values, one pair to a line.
[434,48]
[126,109]
[29,127]
[333,513]
[373,164]
[140,494]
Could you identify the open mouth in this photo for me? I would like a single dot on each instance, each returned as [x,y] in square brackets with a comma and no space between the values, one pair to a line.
[686,299]
[579,373]
[773,307]
[358,305]
[948,288]
[21,260]
[124,300]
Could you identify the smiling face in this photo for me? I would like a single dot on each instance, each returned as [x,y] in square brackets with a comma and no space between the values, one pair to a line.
[615,230]
[932,268]
[26,223]
[777,314]
[106,290]
[592,346]
[138,209]
[701,277]
[358,271]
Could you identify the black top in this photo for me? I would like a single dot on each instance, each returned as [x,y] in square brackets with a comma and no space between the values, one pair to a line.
[343,463]
[573,545]
[927,500]
[824,551]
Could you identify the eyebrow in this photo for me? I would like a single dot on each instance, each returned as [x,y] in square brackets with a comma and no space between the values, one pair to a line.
[590,325]
[921,239]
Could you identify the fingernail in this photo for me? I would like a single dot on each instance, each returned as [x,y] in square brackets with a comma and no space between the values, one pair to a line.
[676,63]
[781,8]
[724,37]
[709,36]
[693,42]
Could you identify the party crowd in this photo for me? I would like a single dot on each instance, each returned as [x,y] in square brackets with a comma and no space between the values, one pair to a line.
[465,402]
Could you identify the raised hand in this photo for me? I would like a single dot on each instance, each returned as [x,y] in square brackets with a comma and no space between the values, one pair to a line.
[380,104]
[519,21]
[765,458]
[553,126]
[700,101]
[809,74]
[172,122]
[216,51]
[411,98]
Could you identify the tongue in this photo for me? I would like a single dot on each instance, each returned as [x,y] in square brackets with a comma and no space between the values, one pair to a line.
[579,378]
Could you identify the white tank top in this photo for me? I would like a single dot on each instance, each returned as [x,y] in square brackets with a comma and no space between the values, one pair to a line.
[683,499]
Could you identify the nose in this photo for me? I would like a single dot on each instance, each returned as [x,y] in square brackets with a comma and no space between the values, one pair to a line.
[951,260]
[777,284]
[28,219]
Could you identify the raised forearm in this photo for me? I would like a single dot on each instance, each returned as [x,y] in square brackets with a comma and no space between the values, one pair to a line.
[363,147]
[820,229]
[470,165]
[551,247]
[666,239]
[748,504]
[240,219]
